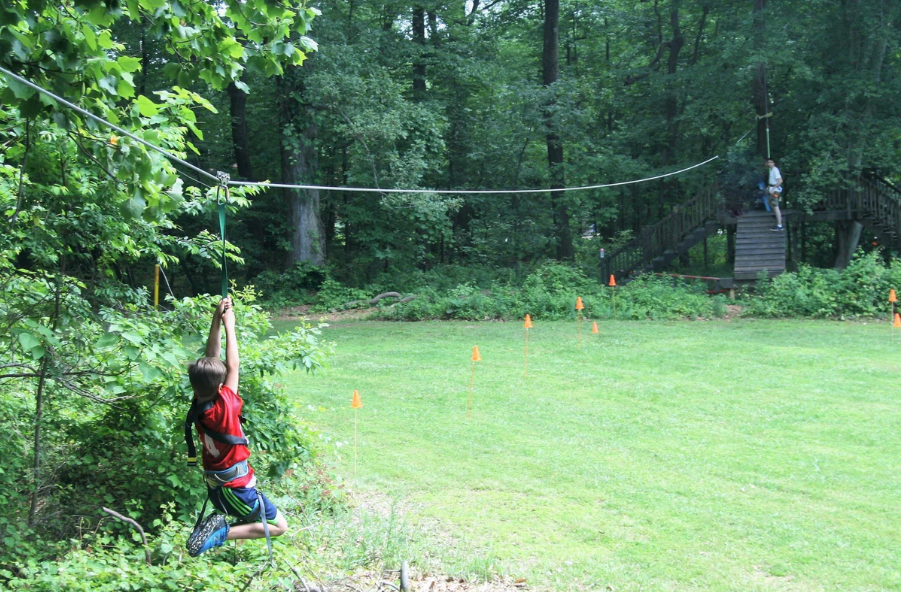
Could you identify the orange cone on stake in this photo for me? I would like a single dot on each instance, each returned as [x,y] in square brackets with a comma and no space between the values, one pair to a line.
[356,405]
[613,295]
[476,357]
[594,327]
[579,308]
[528,325]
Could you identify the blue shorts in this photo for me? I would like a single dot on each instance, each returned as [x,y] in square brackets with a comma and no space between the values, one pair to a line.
[242,503]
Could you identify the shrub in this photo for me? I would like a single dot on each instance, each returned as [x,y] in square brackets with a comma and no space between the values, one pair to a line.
[334,295]
[550,294]
[111,429]
[292,286]
[860,290]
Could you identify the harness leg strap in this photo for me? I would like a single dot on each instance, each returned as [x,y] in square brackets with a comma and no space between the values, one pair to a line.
[267,531]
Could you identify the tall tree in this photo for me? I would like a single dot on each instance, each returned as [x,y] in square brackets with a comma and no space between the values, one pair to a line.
[419,84]
[550,66]
[239,130]
[299,166]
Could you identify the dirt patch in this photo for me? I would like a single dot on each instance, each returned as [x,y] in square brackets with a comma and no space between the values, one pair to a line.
[732,311]
[389,580]
[294,312]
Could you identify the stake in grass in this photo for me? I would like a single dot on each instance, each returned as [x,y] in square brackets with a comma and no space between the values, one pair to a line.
[476,357]
[528,325]
[892,299]
[579,308]
[356,405]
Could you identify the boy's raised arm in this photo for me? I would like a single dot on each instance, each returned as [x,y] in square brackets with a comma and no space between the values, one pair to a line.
[232,348]
[212,350]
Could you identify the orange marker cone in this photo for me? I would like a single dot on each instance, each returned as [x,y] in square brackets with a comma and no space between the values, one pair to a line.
[594,327]
[528,322]
[476,357]
[356,405]
[528,325]
[579,308]
[896,320]
[613,295]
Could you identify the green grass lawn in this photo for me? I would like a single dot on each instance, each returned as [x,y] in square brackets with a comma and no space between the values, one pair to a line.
[744,455]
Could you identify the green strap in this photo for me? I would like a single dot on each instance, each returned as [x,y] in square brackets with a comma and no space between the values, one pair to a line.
[221,211]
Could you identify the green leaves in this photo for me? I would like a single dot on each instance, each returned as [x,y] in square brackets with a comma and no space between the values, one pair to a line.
[146,106]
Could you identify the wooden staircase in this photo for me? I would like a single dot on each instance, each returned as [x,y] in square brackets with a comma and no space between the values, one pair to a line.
[874,203]
[758,247]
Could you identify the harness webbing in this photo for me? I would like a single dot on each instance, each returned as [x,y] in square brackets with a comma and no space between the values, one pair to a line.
[221,214]
[193,417]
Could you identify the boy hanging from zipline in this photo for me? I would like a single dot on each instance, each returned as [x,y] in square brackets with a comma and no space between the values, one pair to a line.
[216,415]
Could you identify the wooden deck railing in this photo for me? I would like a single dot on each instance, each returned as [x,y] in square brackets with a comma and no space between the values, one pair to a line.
[868,198]
[665,234]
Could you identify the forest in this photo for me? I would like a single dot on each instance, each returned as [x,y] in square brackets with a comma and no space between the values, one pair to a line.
[431,96]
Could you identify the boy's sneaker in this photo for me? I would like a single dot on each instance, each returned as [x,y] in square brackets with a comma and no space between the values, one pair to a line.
[212,532]
[777,228]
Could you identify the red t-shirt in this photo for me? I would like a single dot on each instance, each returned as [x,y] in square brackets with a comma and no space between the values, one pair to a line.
[223,418]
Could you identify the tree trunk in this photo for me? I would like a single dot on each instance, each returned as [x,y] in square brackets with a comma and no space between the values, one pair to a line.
[39,410]
[760,83]
[848,234]
[299,165]
[551,72]
[239,131]
[419,86]
[675,45]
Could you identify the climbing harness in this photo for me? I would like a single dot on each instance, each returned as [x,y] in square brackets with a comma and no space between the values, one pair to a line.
[196,410]
[217,479]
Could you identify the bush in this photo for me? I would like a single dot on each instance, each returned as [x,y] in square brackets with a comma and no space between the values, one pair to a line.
[291,287]
[334,295]
[550,294]
[859,290]
[111,426]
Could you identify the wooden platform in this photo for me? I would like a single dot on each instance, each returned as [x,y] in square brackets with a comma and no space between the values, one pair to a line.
[758,247]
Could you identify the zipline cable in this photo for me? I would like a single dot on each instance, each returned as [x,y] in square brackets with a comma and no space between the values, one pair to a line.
[225,179]
[78,109]
[465,191]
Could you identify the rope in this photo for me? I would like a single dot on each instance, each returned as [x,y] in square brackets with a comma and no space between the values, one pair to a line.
[220,179]
[466,191]
[78,109]
[167,283]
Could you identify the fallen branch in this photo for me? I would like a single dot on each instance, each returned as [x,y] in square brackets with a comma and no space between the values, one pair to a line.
[380,297]
[137,526]
[374,300]
[305,585]
[405,300]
